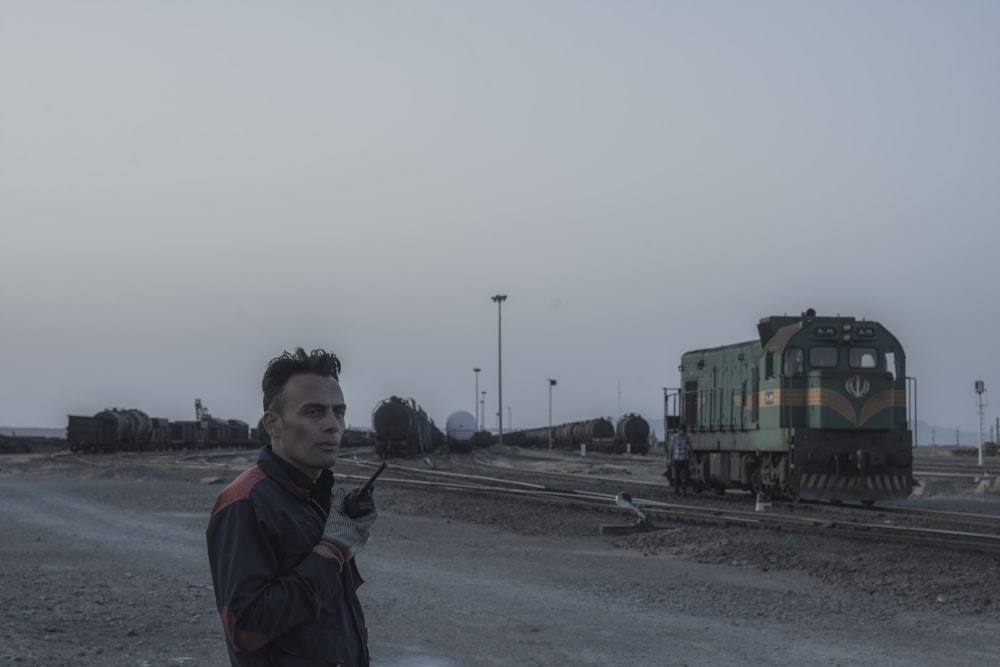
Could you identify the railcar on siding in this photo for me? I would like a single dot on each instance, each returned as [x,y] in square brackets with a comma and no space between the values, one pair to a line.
[597,434]
[632,434]
[460,431]
[131,430]
[402,428]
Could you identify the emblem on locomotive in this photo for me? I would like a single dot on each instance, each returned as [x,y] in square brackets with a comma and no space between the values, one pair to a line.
[857,386]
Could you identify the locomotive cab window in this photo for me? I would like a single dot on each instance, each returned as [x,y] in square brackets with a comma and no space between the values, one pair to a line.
[862,357]
[793,363]
[823,356]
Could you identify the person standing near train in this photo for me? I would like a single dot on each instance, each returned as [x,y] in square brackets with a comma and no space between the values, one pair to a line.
[282,538]
[680,459]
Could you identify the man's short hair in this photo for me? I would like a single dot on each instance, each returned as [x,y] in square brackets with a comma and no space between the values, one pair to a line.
[281,369]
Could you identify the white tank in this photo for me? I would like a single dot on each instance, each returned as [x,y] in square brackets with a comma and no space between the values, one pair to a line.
[461,426]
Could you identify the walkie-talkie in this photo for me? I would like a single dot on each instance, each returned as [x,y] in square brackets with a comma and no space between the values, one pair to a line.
[355,498]
[371,480]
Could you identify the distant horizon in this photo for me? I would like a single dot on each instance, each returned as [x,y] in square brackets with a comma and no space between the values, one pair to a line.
[927,433]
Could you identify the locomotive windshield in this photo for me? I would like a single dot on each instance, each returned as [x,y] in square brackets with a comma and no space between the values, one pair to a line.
[862,357]
[823,356]
[828,356]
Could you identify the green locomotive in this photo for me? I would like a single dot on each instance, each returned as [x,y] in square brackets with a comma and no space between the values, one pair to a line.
[815,409]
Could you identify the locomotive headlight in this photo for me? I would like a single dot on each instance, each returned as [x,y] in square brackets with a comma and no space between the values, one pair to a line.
[845,329]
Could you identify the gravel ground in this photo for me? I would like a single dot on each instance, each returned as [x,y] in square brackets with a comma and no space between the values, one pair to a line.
[106,566]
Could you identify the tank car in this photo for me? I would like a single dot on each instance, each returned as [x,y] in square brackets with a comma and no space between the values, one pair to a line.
[595,433]
[460,431]
[402,428]
[113,429]
[532,437]
[598,434]
[632,433]
[814,408]
[130,430]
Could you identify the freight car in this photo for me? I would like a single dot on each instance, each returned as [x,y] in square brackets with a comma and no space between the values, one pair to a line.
[131,430]
[598,434]
[814,408]
[460,431]
[632,434]
[402,428]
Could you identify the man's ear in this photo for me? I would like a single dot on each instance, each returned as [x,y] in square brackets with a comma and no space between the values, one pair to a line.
[272,423]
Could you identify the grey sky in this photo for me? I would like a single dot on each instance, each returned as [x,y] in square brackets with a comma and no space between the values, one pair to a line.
[188,188]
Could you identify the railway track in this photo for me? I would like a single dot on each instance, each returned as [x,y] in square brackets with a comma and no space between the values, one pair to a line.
[986,540]
[600,492]
[954,466]
[918,514]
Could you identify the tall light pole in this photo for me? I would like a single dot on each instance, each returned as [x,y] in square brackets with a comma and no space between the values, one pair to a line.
[980,388]
[552,383]
[482,409]
[499,299]
[475,398]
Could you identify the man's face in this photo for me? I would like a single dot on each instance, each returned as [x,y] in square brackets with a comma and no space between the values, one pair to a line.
[307,429]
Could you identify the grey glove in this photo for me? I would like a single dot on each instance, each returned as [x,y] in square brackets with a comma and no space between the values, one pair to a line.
[350,533]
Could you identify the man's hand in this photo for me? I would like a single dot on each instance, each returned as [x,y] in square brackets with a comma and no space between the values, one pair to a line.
[350,533]
[358,504]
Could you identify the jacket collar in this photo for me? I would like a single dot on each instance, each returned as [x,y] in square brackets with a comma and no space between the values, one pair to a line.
[294,480]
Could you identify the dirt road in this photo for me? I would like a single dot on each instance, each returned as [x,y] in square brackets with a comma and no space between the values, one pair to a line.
[111,570]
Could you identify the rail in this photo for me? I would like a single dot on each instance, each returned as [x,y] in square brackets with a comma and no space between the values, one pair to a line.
[657,511]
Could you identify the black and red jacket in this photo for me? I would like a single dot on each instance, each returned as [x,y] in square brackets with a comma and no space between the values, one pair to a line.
[284,597]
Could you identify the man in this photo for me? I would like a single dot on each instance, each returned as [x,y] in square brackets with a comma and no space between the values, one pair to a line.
[282,540]
[680,457]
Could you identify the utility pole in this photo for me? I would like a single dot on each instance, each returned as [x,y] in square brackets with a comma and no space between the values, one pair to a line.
[552,383]
[499,299]
[475,397]
[980,388]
